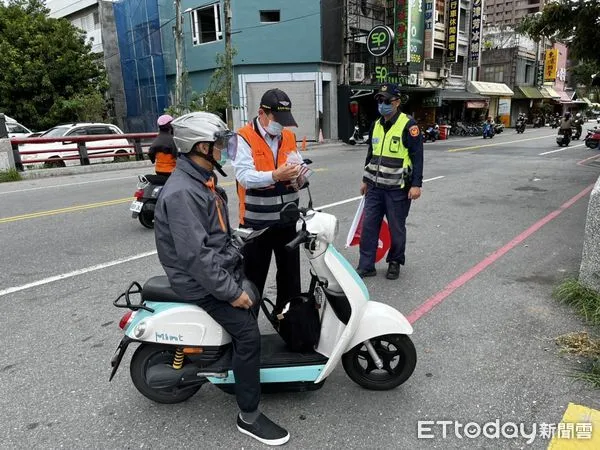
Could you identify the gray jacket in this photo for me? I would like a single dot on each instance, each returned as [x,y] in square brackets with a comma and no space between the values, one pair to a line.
[196,253]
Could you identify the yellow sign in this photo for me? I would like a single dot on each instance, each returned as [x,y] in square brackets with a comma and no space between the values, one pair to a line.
[551,65]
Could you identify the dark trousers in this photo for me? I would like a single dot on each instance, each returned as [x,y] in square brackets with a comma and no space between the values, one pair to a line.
[257,259]
[394,205]
[242,325]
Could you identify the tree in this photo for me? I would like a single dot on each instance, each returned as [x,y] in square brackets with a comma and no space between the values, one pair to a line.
[215,98]
[49,74]
[574,23]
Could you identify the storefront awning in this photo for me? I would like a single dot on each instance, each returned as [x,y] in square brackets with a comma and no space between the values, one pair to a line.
[490,89]
[454,94]
[549,92]
[528,92]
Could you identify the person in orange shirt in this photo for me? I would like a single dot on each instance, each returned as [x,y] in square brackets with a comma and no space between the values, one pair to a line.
[163,152]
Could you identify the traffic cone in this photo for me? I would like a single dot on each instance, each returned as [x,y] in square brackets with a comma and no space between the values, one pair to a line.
[321,140]
[304,143]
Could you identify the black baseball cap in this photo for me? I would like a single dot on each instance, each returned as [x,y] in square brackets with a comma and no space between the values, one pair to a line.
[278,102]
[388,90]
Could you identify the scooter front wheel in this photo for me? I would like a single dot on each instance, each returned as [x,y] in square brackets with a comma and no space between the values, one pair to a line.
[399,358]
[148,355]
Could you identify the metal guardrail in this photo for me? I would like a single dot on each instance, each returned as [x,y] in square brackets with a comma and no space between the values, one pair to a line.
[84,156]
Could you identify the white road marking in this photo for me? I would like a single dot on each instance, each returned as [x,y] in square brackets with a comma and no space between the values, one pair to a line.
[117,262]
[353,199]
[66,184]
[560,150]
[75,273]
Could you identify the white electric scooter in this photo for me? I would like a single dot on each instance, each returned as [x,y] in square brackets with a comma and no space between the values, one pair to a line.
[182,347]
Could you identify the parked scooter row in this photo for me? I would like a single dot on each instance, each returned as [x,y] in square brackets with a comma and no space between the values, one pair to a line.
[592,139]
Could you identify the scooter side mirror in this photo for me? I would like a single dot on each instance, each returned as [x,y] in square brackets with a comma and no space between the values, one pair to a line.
[307,161]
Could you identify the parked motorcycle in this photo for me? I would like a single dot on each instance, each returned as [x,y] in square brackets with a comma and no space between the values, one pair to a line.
[498,128]
[182,347]
[592,139]
[358,137]
[554,122]
[538,122]
[488,130]
[577,129]
[432,133]
[146,195]
[564,137]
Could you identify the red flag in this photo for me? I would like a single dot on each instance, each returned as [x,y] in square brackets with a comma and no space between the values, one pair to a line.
[354,234]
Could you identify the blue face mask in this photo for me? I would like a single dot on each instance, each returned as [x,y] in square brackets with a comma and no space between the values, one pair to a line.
[385,110]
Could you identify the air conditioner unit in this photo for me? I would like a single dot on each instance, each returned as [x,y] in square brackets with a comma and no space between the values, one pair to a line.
[444,73]
[357,72]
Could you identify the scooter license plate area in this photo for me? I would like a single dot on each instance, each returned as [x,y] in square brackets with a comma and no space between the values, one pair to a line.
[136,206]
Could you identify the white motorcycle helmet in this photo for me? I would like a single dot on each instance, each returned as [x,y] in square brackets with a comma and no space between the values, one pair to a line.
[578,115]
[194,128]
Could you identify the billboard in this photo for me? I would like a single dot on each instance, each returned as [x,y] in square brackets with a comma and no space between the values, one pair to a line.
[401,32]
[452,33]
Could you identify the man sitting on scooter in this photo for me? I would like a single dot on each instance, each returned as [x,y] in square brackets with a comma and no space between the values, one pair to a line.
[195,248]
[566,125]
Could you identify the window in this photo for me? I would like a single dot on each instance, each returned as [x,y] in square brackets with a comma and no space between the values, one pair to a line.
[528,73]
[462,25]
[270,16]
[15,128]
[96,20]
[99,130]
[206,24]
[77,132]
[493,74]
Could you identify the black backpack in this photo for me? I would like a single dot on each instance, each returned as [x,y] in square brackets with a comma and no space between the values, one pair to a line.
[298,322]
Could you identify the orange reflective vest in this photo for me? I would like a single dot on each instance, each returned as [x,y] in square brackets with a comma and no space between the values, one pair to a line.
[260,208]
[165,162]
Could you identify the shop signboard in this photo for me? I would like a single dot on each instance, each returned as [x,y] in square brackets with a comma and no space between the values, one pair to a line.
[476,26]
[380,40]
[452,32]
[551,64]
[429,29]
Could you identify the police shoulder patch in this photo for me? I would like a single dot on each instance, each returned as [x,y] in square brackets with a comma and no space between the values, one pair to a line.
[414,131]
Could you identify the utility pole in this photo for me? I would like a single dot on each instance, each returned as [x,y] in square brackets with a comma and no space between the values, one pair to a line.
[178,54]
[229,63]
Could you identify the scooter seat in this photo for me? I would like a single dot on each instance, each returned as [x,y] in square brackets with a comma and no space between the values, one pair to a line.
[158,289]
[158,180]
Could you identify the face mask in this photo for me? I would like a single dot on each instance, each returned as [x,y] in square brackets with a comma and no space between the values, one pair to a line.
[385,110]
[223,159]
[274,128]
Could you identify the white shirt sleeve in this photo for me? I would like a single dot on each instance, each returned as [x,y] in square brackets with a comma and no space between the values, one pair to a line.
[245,170]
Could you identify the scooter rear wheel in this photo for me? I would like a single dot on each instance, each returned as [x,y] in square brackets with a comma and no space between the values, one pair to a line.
[399,357]
[146,215]
[147,355]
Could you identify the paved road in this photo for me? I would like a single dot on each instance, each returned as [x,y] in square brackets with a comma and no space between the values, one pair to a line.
[480,300]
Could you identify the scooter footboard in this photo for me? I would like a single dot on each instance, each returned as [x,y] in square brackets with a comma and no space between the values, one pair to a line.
[379,319]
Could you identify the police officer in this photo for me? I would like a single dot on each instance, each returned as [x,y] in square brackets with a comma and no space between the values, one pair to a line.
[267,169]
[392,178]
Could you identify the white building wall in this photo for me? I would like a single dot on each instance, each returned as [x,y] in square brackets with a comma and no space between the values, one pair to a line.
[83,14]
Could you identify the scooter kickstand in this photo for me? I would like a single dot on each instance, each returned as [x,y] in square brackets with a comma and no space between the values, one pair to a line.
[374,355]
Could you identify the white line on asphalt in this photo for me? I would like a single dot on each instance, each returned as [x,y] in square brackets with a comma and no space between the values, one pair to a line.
[75,273]
[116,262]
[353,199]
[560,150]
[67,184]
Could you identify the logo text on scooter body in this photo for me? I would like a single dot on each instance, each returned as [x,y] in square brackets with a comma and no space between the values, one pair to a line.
[165,337]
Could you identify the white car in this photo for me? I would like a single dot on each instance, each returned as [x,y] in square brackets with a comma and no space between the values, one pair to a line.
[15,129]
[69,149]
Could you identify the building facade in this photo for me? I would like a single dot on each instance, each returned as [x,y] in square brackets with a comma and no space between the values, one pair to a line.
[278,43]
[84,14]
[510,12]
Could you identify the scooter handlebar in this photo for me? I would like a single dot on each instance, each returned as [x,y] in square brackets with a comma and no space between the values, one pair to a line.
[300,239]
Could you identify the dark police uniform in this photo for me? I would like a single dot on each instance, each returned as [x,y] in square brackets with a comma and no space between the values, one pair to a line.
[394,164]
